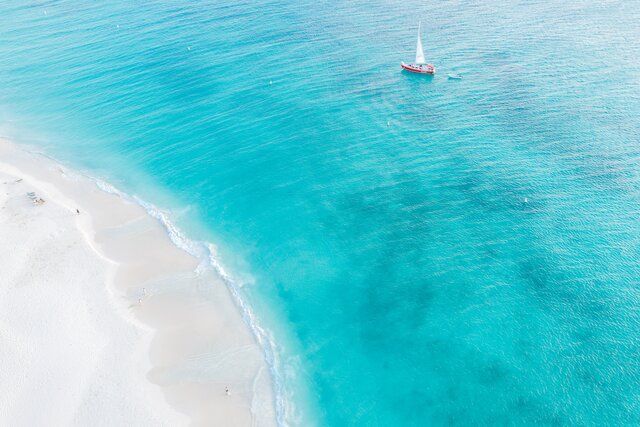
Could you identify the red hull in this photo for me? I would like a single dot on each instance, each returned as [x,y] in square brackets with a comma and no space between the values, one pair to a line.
[420,69]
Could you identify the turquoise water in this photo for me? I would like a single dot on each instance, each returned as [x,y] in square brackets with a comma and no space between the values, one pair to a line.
[423,250]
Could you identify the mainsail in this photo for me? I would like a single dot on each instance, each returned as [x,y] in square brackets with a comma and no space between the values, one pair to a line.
[419,52]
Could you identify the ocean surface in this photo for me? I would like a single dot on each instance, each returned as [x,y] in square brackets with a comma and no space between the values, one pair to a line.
[416,250]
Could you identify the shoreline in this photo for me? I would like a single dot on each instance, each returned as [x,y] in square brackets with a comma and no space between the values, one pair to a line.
[191,338]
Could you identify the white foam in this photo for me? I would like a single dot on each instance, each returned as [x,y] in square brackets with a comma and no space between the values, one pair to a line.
[206,253]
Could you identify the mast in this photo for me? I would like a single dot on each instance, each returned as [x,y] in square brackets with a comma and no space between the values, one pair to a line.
[419,52]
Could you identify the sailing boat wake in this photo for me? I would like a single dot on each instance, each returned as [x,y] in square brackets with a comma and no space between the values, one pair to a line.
[420,65]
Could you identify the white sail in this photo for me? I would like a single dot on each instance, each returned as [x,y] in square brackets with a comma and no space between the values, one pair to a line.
[419,52]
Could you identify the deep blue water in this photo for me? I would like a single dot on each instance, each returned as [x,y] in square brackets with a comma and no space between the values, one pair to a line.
[423,250]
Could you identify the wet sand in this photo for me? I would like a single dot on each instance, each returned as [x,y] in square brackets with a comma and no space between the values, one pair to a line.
[104,318]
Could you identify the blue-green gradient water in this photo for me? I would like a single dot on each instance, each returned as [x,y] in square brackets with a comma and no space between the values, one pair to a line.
[422,250]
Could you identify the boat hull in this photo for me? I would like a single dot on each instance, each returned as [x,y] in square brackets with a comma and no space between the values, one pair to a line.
[419,69]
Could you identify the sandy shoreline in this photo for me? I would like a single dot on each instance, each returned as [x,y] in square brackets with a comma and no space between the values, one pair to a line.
[103,317]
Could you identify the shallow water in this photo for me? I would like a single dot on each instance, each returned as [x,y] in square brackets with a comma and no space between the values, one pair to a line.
[423,250]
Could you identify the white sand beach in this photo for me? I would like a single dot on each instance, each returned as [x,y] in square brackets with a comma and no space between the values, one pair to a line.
[104,321]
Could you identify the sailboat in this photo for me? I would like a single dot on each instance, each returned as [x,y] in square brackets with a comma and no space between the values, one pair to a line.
[420,66]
